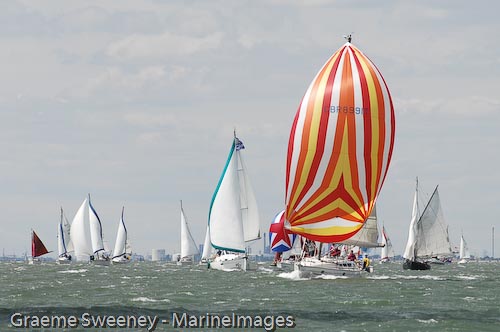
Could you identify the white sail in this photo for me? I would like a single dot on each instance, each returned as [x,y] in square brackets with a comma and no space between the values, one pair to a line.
[432,237]
[120,249]
[412,233]
[225,219]
[464,249]
[367,236]
[387,251]
[207,247]
[79,234]
[64,243]
[249,208]
[95,230]
[188,245]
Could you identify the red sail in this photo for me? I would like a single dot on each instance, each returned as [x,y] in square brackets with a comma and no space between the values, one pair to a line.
[37,246]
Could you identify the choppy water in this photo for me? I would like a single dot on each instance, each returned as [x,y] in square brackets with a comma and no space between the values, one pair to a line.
[447,298]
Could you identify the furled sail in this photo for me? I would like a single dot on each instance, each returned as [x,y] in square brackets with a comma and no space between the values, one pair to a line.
[339,149]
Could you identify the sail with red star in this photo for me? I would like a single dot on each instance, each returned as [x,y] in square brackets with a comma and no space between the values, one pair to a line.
[280,239]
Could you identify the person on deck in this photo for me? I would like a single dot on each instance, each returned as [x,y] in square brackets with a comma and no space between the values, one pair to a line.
[352,256]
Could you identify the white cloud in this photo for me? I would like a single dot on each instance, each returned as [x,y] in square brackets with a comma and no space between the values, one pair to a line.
[162,45]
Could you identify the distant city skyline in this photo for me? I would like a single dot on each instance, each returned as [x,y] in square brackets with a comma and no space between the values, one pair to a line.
[135,102]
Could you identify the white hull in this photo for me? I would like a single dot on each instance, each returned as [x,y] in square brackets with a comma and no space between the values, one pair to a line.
[185,262]
[34,261]
[462,261]
[229,262]
[314,267]
[63,261]
[384,260]
[120,260]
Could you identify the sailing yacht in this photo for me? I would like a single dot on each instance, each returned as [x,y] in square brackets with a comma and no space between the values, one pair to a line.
[387,252]
[64,243]
[339,151]
[88,248]
[37,249]
[233,217]
[188,245]
[464,251]
[427,236]
[121,253]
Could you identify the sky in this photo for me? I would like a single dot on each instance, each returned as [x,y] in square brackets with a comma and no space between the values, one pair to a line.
[135,102]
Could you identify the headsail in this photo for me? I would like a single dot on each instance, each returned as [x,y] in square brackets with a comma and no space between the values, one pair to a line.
[80,234]
[339,149]
[95,230]
[464,249]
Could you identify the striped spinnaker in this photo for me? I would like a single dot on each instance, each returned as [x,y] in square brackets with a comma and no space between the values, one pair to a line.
[339,149]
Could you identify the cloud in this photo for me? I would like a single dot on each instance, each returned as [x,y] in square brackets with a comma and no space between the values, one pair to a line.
[161,45]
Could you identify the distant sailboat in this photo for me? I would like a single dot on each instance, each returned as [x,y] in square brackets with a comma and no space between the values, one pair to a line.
[37,248]
[64,243]
[188,245]
[233,218]
[464,251]
[86,234]
[99,256]
[121,252]
[207,248]
[428,234]
[339,151]
[387,252]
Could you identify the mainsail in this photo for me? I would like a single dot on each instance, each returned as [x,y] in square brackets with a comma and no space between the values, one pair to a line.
[387,251]
[464,249]
[95,230]
[37,246]
[64,243]
[188,245]
[367,237]
[339,149]
[120,249]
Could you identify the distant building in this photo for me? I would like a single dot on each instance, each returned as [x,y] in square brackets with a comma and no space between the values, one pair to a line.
[157,255]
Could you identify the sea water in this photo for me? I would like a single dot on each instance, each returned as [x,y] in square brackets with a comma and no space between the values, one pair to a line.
[449,297]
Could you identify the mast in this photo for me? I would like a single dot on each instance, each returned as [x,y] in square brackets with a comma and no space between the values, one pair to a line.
[493,242]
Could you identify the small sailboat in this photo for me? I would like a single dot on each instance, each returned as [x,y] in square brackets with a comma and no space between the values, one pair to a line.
[387,252]
[233,217]
[86,235]
[207,249]
[339,151]
[37,249]
[64,243]
[464,251]
[99,256]
[121,252]
[188,245]
[428,239]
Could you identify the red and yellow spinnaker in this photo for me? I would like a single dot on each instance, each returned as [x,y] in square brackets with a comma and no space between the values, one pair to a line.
[339,149]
